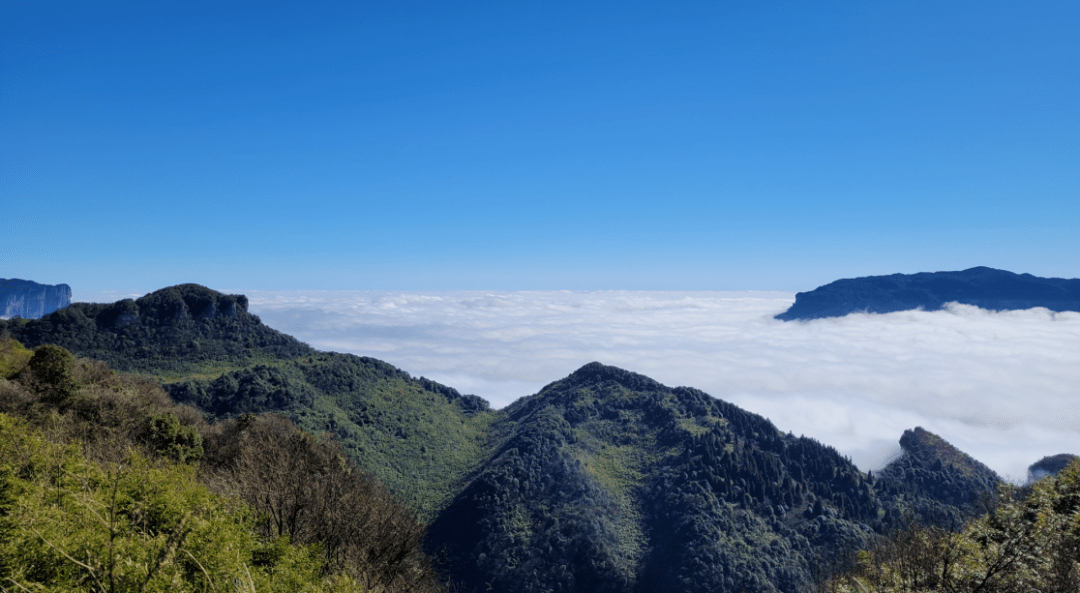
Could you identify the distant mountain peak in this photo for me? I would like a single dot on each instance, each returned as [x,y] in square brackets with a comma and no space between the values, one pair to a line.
[980,286]
[923,443]
[942,470]
[1049,466]
[587,371]
[595,381]
[595,372]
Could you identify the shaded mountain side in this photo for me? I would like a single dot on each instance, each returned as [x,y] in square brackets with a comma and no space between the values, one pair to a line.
[608,480]
[415,435]
[996,290]
[1050,465]
[31,300]
[935,481]
[537,520]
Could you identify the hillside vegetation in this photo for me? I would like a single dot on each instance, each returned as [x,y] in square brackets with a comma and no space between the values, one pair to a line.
[610,481]
[107,485]
[70,524]
[416,436]
[1029,542]
[939,484]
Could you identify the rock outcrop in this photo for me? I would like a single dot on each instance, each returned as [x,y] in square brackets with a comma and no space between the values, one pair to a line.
[996,290]
[30,300]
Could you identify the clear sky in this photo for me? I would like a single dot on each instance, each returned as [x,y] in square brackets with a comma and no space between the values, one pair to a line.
[535,145]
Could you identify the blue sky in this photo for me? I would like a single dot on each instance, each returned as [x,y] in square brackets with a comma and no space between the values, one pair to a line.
[535,145]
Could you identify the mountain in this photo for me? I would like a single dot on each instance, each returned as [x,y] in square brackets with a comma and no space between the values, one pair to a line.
[935,481]
[988,288]
[609,481]
[605,480]
[1049,466]
[143,495]
[415,435]
[30,300]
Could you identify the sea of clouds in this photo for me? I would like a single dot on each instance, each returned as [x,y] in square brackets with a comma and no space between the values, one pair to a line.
[1002,387]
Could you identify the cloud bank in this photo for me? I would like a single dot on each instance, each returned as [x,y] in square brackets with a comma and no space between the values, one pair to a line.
[1002,387]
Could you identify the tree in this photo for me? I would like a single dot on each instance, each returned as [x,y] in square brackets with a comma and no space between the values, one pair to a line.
[307,491]
[50,373]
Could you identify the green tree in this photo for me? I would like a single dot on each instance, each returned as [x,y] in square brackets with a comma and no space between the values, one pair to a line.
[50,372]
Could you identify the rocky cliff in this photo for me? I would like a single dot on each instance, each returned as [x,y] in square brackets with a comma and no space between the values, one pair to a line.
[30,300]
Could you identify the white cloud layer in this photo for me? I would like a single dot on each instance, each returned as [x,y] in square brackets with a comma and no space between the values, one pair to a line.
[1002,387]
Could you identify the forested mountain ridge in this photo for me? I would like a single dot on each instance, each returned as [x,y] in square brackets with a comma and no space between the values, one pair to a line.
[603,481]
[610,481]
[1050,465]
[935,481]
[415,435]
[174,332]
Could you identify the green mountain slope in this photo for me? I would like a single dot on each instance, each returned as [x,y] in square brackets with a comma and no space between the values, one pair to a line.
[418,437]
[108,485]
[610,481]
[70,524]
[934,481]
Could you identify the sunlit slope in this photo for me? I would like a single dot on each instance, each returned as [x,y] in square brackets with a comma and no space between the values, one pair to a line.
[415,435]
[70,524]
[107,484]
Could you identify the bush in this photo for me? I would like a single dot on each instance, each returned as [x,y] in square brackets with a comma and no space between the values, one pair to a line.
[69,524]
